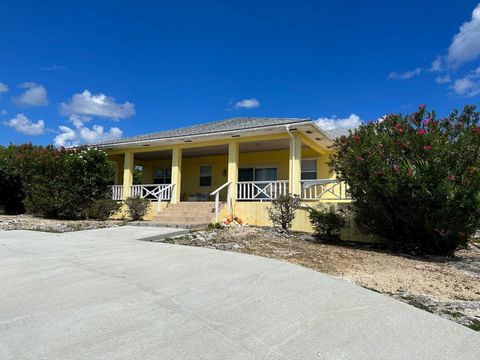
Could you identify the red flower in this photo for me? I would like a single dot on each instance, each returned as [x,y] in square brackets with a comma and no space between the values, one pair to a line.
[360,158]
[395,168]
[421,132]
[476,130]
[451,177]
[427,147]
[356,138]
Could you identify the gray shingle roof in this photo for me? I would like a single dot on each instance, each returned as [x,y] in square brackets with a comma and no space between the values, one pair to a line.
[232,124]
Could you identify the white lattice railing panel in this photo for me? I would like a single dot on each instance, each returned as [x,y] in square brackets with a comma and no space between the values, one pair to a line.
[261,190]
[324,189]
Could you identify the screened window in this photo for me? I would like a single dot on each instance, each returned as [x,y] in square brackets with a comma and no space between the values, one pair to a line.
[205,175]
[162,176]
[309,169]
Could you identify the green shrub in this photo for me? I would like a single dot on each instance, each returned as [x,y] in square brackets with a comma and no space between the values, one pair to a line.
[104,208]
[64,183]
[137,207]
[415,179]
[49,182]
[282,211]
[327,223]
[11,192]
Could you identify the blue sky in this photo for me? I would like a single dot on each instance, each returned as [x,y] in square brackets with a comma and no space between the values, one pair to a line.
[76,72]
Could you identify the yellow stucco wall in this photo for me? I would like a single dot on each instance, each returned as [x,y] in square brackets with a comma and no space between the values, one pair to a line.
[152,211]
[255,213]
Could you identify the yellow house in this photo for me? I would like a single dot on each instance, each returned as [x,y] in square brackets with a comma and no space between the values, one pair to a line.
[200,174]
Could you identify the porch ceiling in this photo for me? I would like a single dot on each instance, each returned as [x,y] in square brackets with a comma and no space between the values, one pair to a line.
[279,144]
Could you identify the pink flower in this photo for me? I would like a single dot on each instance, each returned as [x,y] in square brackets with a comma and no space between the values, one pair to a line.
[427,147]
[422,106]
[356,138]
[451,177]
[395,168]
[360,158]
[421,132]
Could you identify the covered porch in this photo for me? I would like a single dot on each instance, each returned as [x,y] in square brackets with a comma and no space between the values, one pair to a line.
[238,170]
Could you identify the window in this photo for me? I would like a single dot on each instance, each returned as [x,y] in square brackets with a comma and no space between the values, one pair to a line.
[309,169]
[245,174]
[205,175]
[162,176]
[257,174]
[265,174]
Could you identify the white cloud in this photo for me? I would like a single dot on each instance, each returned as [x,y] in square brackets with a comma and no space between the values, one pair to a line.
[247,104]
[82,134]
[100,105]
[351,121]
[465,46]
[3,88]
[469,85]
[25,126]
[34,95]
[404,75]
[437,65]
[443,79]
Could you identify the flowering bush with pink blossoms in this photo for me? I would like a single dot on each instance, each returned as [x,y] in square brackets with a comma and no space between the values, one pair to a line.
[415,179]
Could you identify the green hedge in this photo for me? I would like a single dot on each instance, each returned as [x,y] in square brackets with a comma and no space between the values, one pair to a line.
[55,183]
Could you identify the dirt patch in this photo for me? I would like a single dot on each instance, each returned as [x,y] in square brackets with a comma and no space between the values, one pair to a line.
[27,222]
[447,286]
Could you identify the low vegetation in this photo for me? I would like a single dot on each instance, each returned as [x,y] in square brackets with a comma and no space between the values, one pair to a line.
[137,207]
[282,211]
[327,223]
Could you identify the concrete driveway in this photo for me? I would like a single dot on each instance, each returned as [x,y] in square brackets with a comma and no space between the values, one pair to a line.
[101,294]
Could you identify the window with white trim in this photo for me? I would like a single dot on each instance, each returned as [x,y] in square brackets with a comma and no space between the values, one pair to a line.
[205,175]
[309,169]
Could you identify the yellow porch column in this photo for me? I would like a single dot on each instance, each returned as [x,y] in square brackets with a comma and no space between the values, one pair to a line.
[233,171]
[127,173]
[176,174]
[294,165]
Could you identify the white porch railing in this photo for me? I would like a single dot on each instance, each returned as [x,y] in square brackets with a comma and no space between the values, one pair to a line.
[117,192]
[324,189]
[216,193]
[157,192]
[261,190]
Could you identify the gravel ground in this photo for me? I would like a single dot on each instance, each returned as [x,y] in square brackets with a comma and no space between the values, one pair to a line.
[27,222]
[449,287]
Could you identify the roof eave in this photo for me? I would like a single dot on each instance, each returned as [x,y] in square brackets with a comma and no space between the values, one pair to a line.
[181,139]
